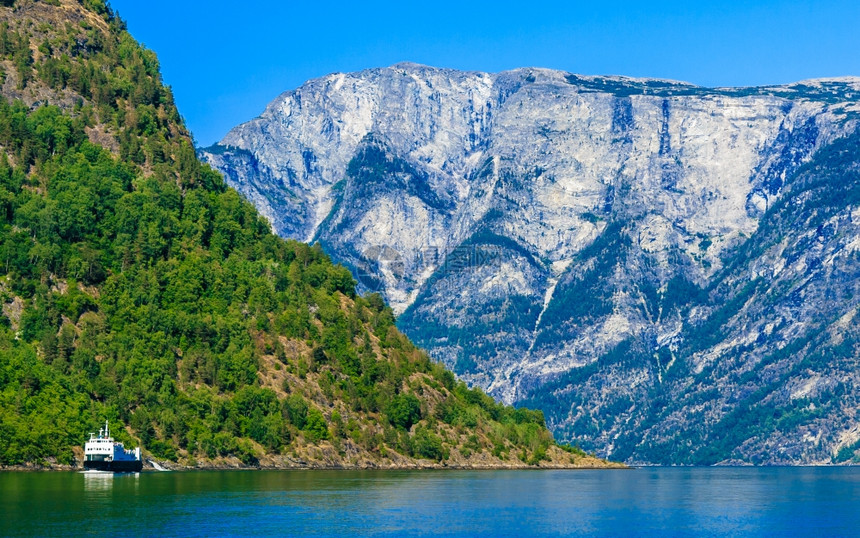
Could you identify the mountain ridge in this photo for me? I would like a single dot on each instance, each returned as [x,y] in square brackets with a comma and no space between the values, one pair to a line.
[587,219]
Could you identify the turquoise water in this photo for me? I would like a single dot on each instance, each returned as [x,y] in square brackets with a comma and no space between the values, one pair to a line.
[641,502]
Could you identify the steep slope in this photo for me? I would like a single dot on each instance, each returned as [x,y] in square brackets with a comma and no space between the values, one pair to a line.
[557,239]
[763,367]
[139,288]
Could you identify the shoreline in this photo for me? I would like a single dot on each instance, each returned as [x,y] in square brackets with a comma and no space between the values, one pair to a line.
[311,467]
[324,457]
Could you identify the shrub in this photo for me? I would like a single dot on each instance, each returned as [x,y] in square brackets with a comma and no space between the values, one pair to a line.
[428,445]
[404,411]
[316,428]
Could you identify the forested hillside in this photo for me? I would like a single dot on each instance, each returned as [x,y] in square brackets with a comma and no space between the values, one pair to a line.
[137,287]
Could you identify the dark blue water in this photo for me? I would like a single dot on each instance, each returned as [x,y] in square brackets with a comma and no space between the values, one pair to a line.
[643,502]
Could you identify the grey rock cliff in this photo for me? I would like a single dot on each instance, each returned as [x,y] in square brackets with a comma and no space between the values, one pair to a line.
[635,257]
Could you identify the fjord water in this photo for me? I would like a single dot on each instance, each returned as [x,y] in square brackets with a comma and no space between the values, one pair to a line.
[641,502]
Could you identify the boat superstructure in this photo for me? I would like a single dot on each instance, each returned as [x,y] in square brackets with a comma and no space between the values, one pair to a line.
[102,453]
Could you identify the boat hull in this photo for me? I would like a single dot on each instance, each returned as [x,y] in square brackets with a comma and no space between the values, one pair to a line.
[129,466]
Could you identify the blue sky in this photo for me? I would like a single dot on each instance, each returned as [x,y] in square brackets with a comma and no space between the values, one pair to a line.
[227,60]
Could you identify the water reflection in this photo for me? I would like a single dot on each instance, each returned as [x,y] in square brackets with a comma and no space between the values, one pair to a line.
[97,482]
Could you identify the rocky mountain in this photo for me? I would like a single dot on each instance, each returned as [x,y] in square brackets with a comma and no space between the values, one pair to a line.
[669,272]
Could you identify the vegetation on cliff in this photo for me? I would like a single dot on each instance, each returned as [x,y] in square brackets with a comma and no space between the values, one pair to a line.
[138,288]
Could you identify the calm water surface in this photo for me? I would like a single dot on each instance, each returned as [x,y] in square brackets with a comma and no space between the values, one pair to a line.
[642,502]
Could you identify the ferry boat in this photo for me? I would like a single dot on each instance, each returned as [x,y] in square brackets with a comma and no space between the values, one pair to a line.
[102,453]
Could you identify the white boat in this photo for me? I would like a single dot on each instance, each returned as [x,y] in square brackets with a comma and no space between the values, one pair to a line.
[102,453]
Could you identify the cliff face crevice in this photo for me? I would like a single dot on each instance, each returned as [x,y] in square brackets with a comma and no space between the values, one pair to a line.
[603,248]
